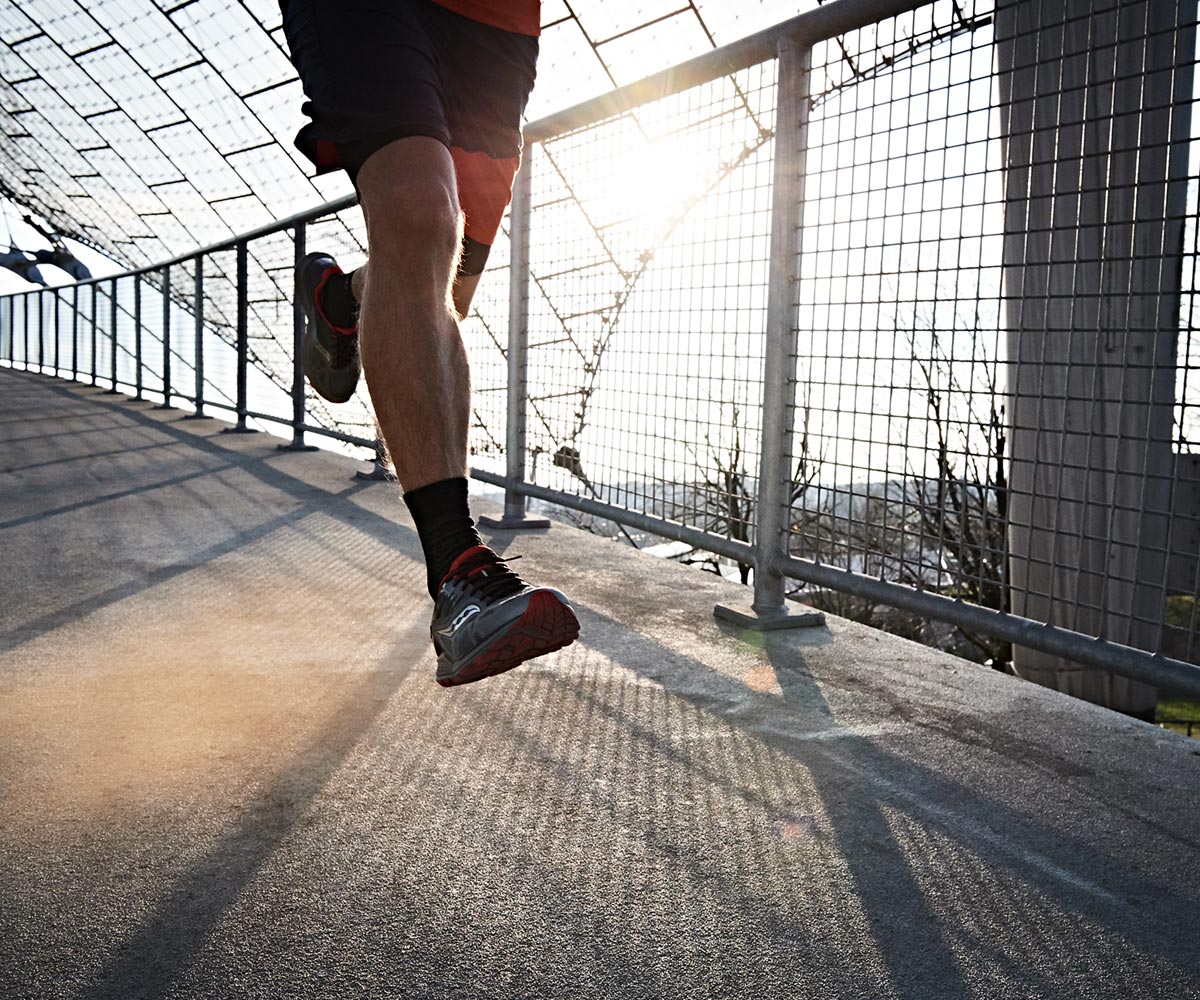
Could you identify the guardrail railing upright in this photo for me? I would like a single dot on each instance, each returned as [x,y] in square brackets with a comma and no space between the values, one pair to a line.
[75,334]
[515,515]
[113,328]
[57,332]
[243,340]
[198,352]
[297,443]
[95,333]
[769,609]
[41,337]
[166,338]
[138,367]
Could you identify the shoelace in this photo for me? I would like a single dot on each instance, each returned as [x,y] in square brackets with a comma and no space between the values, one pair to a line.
[493,579]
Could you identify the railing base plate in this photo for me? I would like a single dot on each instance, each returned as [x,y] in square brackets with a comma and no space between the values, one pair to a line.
[377,474]
[744,616]
[292,446]
[514,524]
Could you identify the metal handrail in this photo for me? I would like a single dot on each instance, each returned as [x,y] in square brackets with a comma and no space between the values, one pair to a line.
[790,43]
[233,242]
[807,29]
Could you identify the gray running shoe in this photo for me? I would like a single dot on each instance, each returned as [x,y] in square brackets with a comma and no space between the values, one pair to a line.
[328,353]
[487,620]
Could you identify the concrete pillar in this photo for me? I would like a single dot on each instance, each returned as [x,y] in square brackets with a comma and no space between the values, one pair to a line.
[1095,107]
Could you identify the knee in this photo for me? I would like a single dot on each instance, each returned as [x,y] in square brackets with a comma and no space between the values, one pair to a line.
[410,199]
[416,213]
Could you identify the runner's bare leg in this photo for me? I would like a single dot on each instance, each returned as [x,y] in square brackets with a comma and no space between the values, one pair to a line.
[412,353]
[462,293]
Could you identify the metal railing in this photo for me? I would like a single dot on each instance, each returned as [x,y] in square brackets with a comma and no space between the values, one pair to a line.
[787,303]
[163,353]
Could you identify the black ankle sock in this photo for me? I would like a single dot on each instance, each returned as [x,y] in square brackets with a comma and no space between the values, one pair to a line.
[338,301]
[444,525]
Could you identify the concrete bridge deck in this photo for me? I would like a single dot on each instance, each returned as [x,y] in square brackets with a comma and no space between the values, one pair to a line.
[226,771]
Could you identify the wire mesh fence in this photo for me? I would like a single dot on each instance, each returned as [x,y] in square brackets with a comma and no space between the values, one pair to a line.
[648,276]
[962,390]
[901,398]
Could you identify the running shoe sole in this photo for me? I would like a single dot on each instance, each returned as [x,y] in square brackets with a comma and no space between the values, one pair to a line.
[547,625]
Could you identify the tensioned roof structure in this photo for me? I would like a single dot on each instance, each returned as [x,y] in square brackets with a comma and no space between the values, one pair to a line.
[148,128]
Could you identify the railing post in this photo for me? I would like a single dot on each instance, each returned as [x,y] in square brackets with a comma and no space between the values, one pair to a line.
[41,333]
[28,331]
[75,334]
[137,336]
[166,338]
[57,333]
[113,318]
[198,356]
[769,608]
[297,442]
[25,331]
[243,339]
[95,320]
[518,351]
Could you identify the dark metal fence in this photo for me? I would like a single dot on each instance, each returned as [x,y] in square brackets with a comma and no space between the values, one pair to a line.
[890,306]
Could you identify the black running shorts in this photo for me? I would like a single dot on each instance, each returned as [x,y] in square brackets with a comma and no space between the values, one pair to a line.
[379,70]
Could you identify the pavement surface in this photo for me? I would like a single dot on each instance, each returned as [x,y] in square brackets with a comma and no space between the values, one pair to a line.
[226,770]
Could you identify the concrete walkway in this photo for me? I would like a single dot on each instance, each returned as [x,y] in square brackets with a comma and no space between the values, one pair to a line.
[226,770]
